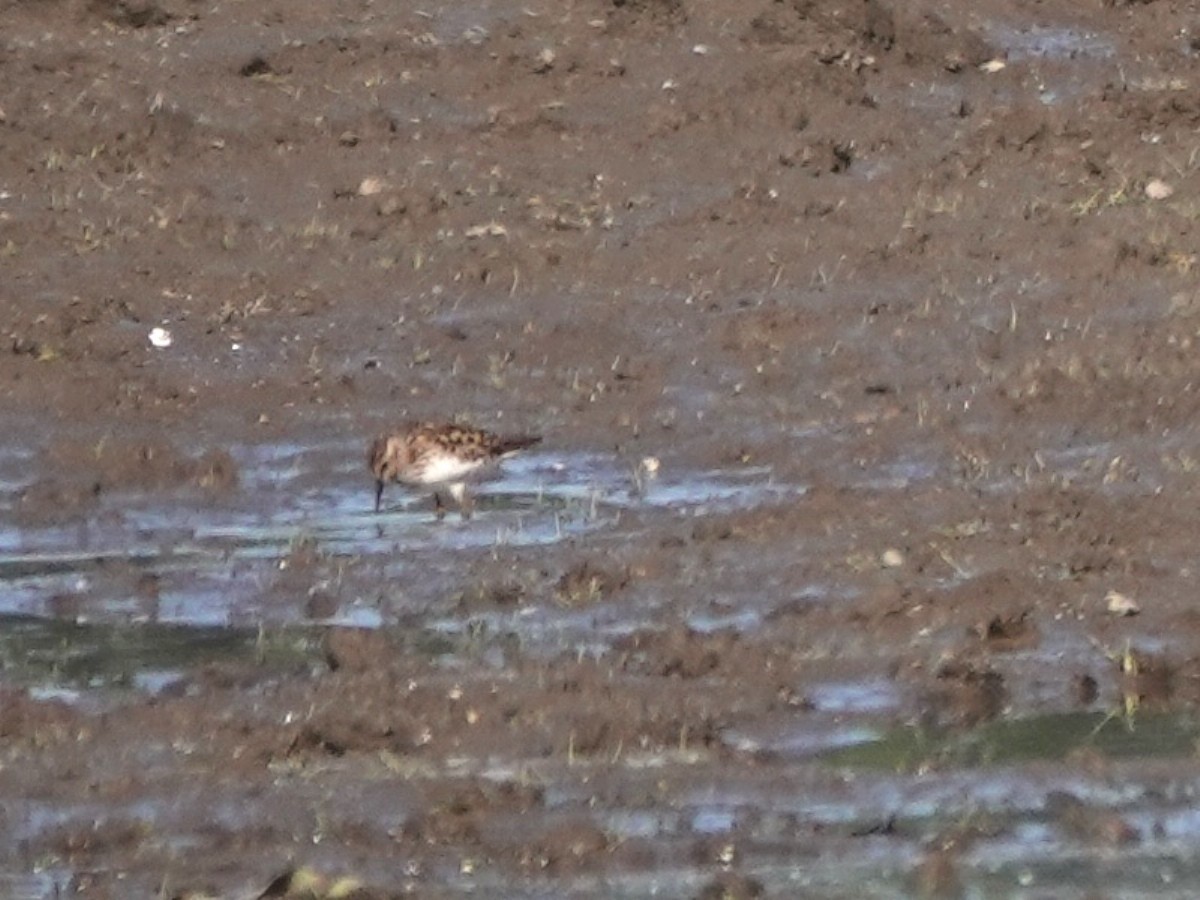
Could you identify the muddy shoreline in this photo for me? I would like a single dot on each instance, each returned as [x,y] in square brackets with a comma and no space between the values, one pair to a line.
[899,299]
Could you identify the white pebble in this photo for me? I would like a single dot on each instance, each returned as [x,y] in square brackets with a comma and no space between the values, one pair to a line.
[1120,605]
[1157,189]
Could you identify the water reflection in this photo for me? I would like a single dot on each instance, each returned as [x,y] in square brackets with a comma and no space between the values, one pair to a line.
[210,564]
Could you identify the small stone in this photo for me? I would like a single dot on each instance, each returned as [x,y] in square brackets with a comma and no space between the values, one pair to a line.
[544,61]
[1120,605]
[892,558]
[1157,189]
[370,186]
[992,66]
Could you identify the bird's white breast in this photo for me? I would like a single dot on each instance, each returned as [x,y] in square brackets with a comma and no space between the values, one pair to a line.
[445,467]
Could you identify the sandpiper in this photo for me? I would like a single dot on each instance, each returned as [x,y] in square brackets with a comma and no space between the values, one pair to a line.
[439,455]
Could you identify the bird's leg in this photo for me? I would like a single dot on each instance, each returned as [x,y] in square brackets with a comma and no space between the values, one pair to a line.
[458,491]
[439,509]
[378,493]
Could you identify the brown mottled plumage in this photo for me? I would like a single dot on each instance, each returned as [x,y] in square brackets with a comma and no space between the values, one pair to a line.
[436,455]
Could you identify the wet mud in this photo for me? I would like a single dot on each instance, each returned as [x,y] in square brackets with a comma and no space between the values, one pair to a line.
[857,558]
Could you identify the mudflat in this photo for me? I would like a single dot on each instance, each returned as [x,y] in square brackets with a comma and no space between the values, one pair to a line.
[859,555]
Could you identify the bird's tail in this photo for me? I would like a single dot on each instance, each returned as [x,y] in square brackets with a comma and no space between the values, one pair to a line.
[507,445]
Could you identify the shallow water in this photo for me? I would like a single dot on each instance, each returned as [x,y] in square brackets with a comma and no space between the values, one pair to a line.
[210,562]
[63,660]
[78,624]
[1050,42]
[912,318]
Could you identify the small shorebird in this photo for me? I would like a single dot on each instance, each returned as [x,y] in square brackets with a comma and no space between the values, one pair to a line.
[430,455]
